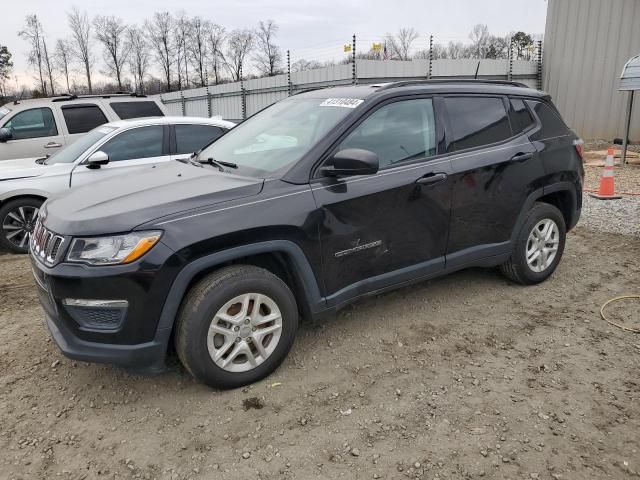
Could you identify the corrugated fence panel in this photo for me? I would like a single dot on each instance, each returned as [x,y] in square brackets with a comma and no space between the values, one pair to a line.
[226,99]
[587,42]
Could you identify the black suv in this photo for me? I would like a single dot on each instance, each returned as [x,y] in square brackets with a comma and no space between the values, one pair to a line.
[318,200]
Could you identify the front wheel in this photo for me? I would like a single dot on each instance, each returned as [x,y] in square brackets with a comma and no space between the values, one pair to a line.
[539,246]
[236,326]
[17,221]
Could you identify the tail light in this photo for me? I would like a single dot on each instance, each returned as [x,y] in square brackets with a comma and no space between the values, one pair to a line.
[579,144]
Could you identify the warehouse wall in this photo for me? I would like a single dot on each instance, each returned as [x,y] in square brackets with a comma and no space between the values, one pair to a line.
[586,44]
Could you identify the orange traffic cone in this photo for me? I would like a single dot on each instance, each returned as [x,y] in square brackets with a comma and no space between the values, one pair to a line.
[607,185]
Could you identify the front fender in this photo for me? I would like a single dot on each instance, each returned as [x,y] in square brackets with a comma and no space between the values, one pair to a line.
[298,259]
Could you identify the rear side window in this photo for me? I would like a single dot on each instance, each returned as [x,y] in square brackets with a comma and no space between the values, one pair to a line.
[477,121]
[126,110]
[191,138]
[32,123]
[82,118]
[520,116]
[552,124]
[143,142]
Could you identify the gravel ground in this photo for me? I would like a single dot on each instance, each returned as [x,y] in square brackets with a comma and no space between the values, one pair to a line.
[613,216]
[464,377]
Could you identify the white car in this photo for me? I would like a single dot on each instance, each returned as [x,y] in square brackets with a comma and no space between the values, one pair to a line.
[113,149]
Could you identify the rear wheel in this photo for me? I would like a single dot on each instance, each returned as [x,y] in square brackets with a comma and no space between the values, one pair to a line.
[17,221]
[539,246]
[236,326]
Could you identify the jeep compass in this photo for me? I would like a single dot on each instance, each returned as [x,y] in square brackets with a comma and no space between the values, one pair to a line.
[316,201]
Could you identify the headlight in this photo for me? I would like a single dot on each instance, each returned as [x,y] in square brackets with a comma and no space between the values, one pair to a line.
[114,250]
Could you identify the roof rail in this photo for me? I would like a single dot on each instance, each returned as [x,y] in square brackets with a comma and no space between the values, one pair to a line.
[65,97]
[407,83]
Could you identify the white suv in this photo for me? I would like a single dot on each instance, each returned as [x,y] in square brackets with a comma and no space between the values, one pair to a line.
[37,127]
[114,149]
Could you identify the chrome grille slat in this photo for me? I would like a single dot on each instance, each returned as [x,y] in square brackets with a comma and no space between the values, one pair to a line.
[46,245]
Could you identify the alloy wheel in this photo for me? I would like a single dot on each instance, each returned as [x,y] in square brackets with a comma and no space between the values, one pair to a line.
[18,225]
[542,245]
[244,332]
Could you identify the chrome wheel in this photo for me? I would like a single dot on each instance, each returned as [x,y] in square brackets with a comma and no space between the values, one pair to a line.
[244,332]
[542,245]
[18,224]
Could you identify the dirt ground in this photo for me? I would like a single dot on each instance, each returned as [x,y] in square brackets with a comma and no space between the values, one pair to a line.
[467,376]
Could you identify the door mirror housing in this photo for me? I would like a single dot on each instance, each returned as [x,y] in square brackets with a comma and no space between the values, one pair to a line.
[351,161]
[5,134]
[97,159]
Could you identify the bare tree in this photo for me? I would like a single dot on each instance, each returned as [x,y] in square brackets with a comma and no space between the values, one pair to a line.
[181,33]
[479,37]
[62,58]
[199,34]
[138,56]
[81,36]
[32,33]
[268,56]
[401,43]
[239,45]
[47,61]
[216,41]
[160,28]
[455,50]
[110,32]
[302,64]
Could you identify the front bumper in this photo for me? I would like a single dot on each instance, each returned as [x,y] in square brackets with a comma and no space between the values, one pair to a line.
[145,357]
[137,342]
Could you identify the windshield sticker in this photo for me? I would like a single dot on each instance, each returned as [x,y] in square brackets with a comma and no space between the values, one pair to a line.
[342,102]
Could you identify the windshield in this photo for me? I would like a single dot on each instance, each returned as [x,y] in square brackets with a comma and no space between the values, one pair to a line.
[4,111]
[71,153]
[278,136]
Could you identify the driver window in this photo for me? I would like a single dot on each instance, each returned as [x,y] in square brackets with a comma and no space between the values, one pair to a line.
[32,123]
[397,132]
[143,142]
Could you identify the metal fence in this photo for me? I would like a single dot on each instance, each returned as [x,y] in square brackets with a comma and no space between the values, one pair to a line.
[236,101]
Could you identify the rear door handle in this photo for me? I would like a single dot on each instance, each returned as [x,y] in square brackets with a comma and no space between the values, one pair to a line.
[52,145]
[432,178]
[521,157]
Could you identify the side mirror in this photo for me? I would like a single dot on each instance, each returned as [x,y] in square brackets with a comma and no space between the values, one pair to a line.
[97,159]
[5,134]
[351,161]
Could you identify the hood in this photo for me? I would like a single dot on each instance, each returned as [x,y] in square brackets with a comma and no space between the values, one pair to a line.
[120,204]
[21,168]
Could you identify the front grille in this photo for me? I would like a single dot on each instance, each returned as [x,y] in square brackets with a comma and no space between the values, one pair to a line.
[46,245]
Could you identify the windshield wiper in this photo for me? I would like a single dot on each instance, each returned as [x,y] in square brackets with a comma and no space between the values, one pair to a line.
[219,163]
[189,161]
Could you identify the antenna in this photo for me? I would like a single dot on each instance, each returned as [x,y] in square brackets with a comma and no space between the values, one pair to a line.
[475,77]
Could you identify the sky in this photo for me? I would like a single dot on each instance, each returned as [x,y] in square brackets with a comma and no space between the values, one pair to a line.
[310,29]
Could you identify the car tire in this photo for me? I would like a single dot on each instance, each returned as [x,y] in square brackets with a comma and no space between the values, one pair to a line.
[204,330]
[17,220]
[537,252]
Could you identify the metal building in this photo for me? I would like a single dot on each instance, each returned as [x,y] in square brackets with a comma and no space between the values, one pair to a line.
[586,45]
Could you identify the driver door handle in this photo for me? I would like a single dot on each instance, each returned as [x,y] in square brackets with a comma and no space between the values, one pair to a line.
[431,179]
[52,145]
[521,157]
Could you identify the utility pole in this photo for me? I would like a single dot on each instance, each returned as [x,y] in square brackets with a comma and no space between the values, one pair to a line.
[353,56]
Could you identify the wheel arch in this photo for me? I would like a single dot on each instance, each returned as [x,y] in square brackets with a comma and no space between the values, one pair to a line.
[282,257]
[37,195]
[562,195]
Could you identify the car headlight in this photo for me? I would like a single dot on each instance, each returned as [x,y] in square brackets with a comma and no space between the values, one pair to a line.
[113,250]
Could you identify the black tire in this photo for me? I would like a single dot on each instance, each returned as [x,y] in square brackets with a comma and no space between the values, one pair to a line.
[516,268]
[18,243]
[201,305]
